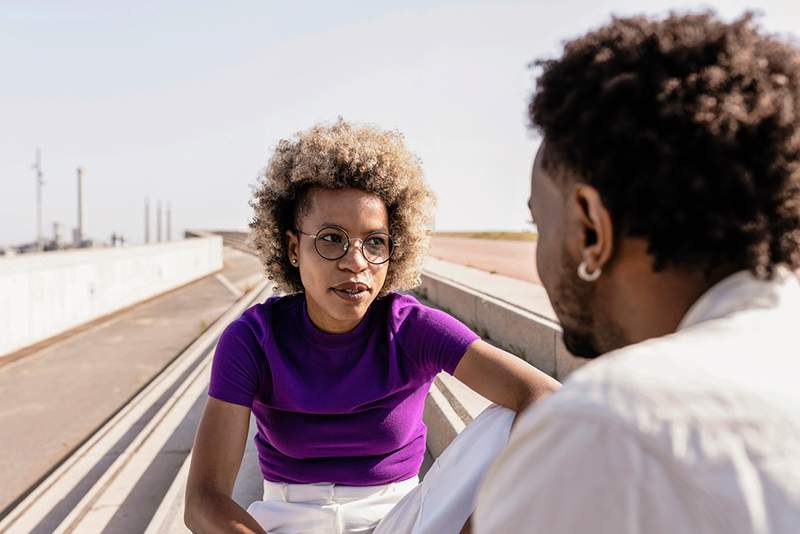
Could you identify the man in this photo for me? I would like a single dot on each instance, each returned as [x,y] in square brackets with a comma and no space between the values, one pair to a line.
[667,196]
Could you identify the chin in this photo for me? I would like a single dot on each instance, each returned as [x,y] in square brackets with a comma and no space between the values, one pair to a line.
[347,310]
[581,345]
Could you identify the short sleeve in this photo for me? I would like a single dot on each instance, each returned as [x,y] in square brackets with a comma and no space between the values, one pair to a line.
[238,366]
[432,337]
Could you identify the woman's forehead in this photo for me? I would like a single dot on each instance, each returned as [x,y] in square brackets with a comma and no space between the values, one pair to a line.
[352,209]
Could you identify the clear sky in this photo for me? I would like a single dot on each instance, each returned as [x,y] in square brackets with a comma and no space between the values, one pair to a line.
[183,101]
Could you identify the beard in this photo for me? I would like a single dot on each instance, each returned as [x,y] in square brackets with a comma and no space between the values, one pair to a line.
[581,344]
[574,304]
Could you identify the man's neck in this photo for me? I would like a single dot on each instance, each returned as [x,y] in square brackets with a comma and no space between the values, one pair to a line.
[646,304]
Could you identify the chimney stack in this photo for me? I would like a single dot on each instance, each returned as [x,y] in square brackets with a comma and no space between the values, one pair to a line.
[80,234]
[158,221]
[147,220]
[169,221]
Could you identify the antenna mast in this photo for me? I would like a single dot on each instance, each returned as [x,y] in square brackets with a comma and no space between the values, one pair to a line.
[37,166]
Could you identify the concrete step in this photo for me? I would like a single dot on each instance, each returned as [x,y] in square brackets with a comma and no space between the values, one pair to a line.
[449,407]
[60,394]
[117,479]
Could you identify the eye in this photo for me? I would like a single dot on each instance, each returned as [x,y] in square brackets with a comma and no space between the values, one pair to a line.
[376,241]
[331,237]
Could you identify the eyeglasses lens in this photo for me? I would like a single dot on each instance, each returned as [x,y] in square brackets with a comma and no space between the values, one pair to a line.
[332,244]
[377,248]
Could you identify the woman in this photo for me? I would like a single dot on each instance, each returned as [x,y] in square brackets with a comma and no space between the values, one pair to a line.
[336,372]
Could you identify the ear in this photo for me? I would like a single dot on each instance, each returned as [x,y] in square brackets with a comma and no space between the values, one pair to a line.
[293,245]
[596,226]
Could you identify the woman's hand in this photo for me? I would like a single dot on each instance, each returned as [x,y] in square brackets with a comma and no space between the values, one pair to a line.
[216,457]
[503,378]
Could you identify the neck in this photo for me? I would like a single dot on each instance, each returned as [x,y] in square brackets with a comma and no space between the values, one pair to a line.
[326,323]
[646,304]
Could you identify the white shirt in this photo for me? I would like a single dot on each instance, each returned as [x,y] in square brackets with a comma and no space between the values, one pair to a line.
[694,432]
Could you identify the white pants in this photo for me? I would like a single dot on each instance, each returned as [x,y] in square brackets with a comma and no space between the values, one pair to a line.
[440,504]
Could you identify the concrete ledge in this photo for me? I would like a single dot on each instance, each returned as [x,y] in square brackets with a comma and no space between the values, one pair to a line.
[443,422]
[513,314]
[449,408]
[168,519]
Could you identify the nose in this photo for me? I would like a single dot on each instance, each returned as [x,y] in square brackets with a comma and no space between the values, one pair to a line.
[354,259]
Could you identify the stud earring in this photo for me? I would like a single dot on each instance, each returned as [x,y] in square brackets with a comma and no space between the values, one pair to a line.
[585,275]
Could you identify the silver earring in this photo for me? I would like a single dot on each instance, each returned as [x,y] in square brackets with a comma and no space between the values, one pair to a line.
[294,262]
[585,275]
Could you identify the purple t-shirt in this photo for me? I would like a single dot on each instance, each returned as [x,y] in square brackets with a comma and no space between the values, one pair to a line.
[341,408]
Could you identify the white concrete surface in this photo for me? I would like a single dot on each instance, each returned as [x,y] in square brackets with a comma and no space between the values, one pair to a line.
[513,314]
[43,295]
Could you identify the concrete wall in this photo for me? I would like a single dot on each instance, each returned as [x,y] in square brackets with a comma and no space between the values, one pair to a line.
[512,314]
[42,295]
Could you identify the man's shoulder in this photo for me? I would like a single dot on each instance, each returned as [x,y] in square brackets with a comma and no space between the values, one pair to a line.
[707,382]
[672,378]
[696,372]
[641,376]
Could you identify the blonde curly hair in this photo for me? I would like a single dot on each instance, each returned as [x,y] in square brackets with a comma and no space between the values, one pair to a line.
[338,156]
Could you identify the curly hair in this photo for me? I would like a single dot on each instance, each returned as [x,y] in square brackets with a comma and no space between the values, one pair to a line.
[689,128]
[338,156]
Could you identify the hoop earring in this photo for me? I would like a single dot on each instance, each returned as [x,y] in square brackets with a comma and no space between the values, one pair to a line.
[585,275]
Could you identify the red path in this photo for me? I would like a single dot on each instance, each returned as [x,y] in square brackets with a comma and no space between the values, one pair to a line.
[516,259]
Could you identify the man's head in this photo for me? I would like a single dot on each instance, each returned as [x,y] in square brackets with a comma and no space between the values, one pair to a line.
[671,154]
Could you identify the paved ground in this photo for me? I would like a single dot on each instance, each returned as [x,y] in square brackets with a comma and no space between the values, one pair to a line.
[62,392]
[516,259]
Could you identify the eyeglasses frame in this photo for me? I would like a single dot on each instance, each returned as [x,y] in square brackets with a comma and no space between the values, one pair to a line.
[393,243]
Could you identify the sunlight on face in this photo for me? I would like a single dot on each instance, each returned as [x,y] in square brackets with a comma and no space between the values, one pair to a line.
[572,300]
[546,206]
[339,292]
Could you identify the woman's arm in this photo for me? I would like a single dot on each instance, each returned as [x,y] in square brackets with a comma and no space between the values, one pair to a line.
[216,457]
[502,377]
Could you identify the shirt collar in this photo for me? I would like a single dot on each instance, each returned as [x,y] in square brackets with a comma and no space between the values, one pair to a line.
[742,291]
[338,341]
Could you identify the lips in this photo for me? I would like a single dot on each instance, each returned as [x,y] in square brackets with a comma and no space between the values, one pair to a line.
[351,291]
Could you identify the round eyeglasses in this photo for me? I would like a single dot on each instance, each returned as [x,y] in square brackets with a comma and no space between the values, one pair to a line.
[332,243]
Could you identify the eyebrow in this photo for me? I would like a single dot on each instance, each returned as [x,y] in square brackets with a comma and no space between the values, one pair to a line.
[380,229]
